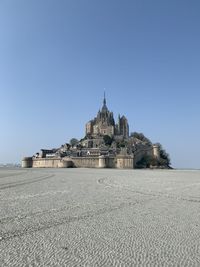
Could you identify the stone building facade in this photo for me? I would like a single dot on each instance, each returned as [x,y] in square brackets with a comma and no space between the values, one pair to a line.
[104,124]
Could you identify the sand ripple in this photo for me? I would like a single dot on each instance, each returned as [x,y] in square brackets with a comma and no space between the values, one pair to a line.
[82,217]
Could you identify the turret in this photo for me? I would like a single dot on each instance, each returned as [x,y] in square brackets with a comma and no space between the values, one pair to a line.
[104,98]
[123,126]
[156,151]
[119,130]
[104,108]
[27,162]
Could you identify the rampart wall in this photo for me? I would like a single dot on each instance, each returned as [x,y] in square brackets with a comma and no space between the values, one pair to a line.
[121,162]
[46,163]
[125,162]
[85,162]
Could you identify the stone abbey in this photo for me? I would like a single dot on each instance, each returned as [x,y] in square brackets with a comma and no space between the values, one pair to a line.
[104,124]
[107,144]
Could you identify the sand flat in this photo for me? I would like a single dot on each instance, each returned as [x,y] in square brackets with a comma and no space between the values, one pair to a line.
[93,217]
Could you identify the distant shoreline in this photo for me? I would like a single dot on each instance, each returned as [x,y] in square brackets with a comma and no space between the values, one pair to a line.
[173,169]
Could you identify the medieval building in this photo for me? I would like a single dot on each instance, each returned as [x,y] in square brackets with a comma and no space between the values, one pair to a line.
[104,124]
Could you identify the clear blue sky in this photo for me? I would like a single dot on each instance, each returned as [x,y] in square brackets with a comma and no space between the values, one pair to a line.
[56,58]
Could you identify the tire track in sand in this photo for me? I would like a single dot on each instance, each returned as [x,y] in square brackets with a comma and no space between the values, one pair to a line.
[106,182]
[25,182]
[53,219]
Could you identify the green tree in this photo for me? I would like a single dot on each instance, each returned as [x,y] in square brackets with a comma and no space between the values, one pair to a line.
[164,156]
[141,137]
[107,140]
[73,142]
[144,162]
[83,139]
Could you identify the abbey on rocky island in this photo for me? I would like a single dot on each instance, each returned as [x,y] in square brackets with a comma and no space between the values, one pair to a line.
[106,145]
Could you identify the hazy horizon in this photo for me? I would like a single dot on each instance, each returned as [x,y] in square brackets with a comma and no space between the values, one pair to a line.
[56,58]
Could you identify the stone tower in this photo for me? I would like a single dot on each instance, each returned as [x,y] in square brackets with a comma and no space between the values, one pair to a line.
[104,124]
[122,128]
[156,151]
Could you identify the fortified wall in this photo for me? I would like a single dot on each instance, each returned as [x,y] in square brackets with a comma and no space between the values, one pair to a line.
[120,162]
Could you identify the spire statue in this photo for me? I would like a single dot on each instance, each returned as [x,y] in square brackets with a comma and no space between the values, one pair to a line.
[104,108]
[104,98]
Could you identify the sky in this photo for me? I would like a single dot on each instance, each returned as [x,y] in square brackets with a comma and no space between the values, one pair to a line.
[56,58]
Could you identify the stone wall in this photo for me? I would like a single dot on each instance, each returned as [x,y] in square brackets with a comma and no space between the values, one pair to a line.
[85,162]
[111,162]
[125,162]
[52,163]
[121,162]
[46,163]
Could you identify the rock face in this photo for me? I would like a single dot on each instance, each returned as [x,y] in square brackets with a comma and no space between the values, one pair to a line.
[106,145]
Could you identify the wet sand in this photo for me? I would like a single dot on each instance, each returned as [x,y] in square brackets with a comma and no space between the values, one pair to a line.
[93,217]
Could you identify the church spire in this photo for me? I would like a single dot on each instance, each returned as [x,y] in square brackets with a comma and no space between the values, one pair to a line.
[104,98]
[104,108]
